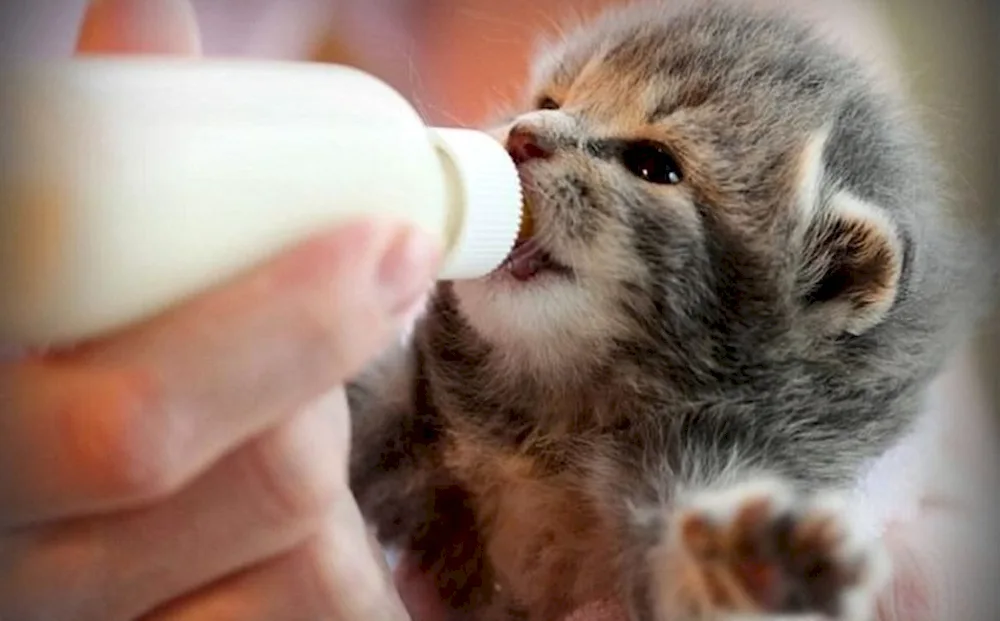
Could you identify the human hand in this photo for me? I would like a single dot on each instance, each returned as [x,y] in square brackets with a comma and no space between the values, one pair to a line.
[194,467]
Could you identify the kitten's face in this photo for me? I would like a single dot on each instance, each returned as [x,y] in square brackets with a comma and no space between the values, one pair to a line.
[593,171]
[672,165]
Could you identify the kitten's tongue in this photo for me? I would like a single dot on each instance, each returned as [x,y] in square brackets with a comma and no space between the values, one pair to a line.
[525,261]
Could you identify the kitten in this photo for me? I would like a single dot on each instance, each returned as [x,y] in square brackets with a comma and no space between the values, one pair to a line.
[739,287]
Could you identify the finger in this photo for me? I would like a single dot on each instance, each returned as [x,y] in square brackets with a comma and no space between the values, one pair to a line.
[334,576]
[263,500]
[139,27]
[134,418]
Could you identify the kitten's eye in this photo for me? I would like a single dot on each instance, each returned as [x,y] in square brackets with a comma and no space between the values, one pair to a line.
[651,162]
[547,103]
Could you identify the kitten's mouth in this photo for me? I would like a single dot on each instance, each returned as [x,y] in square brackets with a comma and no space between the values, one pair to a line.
[528,260]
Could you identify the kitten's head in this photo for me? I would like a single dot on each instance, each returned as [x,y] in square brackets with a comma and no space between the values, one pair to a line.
[708,186]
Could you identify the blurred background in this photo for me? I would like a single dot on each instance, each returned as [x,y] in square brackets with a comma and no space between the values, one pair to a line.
[460,61]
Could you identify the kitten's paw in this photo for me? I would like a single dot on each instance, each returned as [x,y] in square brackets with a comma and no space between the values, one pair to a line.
[760,549]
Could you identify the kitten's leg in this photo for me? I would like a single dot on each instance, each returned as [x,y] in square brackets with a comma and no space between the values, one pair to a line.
[389,467]
[402,488]
[760,549]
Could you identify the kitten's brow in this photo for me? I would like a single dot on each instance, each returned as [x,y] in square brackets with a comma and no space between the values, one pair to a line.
[660,113]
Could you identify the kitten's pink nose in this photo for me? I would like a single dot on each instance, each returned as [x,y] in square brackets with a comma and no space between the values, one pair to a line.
[525,145]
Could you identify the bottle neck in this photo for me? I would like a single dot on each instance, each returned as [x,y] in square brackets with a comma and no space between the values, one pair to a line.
[454,201]
[483,202]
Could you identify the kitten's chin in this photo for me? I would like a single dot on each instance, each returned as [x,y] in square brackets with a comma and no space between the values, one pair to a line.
[540,320]
[510,305]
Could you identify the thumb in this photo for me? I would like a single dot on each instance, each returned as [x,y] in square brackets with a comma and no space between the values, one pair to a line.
[139,27]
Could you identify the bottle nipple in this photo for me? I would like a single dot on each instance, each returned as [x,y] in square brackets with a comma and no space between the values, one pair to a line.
[527,228]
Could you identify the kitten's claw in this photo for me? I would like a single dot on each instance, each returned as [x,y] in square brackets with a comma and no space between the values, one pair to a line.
[761,550]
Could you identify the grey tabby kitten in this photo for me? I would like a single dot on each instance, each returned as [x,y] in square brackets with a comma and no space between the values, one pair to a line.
[739,286]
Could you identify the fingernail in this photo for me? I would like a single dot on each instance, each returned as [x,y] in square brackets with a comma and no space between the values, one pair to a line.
[139,27]
[407,270]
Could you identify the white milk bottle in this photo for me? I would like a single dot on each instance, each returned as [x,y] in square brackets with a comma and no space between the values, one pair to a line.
[127,185]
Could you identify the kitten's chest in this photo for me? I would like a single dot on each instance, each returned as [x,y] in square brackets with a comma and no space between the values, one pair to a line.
[549,539]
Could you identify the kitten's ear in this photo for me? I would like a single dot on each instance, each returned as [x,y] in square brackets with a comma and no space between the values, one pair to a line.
[851,255]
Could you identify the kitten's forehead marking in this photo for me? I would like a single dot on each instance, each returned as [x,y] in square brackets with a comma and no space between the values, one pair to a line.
[592,90]
[650,99]
[622,96]
[614,105]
